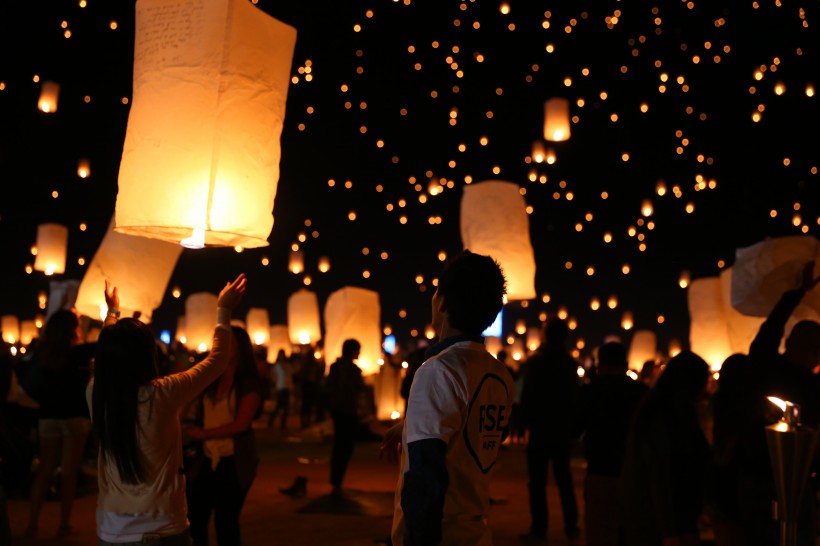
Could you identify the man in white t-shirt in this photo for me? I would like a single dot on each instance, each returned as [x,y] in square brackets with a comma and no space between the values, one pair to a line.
[457,414]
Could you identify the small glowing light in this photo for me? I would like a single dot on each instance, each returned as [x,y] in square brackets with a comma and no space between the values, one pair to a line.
[202,348]
[176,292]
[196,240]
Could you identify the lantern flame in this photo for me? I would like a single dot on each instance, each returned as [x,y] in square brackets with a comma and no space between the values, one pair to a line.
[782,404]
[196,240]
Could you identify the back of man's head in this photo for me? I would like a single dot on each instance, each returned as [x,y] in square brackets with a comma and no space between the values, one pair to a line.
[612,357]
[556,331]
[351,348]
[803,344]
[473,288]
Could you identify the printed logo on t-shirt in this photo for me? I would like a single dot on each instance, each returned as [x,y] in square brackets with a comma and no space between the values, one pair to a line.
[487,417]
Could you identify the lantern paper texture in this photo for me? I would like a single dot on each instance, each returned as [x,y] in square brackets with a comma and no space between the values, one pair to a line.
[279,341]
[742,328]
[61,295]
[303,318]
[387,392]
[764,271]
[353,312]
[49,95]
[52,240]
[494,222]
[201,152]
[200,320]
[708,330]
[10,327]
[643,347]
[258,325]
[556,119]
[28,332]
[140,268]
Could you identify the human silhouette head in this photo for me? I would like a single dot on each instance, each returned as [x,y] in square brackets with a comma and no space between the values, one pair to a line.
[351,349]
[126,354]
[556,331]
[612,358]
[470,293]
[683,379]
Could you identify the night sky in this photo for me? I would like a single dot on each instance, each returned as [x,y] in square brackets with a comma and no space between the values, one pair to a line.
[400,94]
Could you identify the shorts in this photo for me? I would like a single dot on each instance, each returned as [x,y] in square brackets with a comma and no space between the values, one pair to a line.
[60,428]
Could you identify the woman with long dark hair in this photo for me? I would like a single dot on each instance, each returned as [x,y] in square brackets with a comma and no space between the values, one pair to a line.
[136,416]
[222,423]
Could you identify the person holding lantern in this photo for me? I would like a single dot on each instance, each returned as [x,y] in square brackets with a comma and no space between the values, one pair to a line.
[136,415]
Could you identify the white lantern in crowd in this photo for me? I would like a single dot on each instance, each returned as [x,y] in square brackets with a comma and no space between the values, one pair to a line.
[258,325]
[140,268]
[200,163]
[556,119]
[28,332]
[742,328]
[303,318]
[353,312]
[61,295]
[494,222]
[708,330]
[642,347]
[279,341]
[52,240]
[49,95]
[10,327]
[387,392]
[200,318]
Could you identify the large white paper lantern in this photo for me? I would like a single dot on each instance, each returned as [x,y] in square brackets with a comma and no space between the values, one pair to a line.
[200,319]
[10,328]
[708,329]
[200,162]
[258,325]
[642,347]
[140,268]
[49,96]
[742,328]
[52,240]
[304,326]
[28,332]
[279,341]
[764,271]
[494,222]
[556,119]
[387,392]
[353,312]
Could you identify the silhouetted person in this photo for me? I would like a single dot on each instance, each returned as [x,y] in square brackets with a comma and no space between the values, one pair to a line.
[282,387]
[343,389]
[414,360]
[310,375]
[606,407]
[548,400]
[667,459]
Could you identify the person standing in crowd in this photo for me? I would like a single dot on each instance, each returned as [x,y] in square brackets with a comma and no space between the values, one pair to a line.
[605,408]
[136,417]
[668,459]
[282,384]
[219,482]
[548,398]
[62,365]
[457,414]
[788,376]
[310,374]
[343,388]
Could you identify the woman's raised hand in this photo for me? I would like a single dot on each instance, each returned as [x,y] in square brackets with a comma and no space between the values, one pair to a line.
[112,298]
[232,294]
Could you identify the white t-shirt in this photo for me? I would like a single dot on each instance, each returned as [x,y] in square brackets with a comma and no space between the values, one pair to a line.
[462,396]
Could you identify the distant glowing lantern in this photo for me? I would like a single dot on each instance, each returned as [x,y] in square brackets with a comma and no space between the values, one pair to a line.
[10,327]
[533,338]
[642,348]
[28,332]
[521,327]
[51,249]
[258,325]
[539,152]
[387,392]
[140,268]
[296,262]
[627,321]
[324,264]
[646,207]
[708,330]
[556,119]
[353,312]
[517,350]
[84,168]
[303,318]
[674,348]
[684,279]
[742,328]
[279,341]
[493,345]
[429,332]
[200,319]
[494,222]
[200,162]
[49,94]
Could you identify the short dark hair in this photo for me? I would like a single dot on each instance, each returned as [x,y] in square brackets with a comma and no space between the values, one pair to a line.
[612,355]
[473,287]
[351,347]
[556,330]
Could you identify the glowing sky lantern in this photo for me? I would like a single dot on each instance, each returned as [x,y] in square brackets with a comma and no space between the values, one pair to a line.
[742,328]
[200,319]
[324,264]
[51,249]
[200,162]
[257,322]
[28,332]
[493,344]
[556,119]
[140,268]
[494,222]
[353,312]
[642,347]
[296,261]
[10,328]
[49,95]
[708,327]
[304,325]
[84,168]
[279,341]
[387,393]
[533,338]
